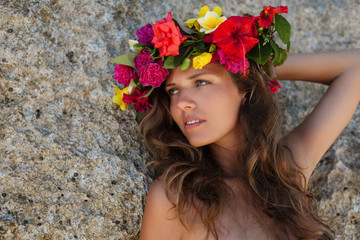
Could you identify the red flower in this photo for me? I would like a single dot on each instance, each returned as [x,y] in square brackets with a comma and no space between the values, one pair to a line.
[167,37]
[236,36]
[141,103]
[274,85]
[267,15]
[208,38]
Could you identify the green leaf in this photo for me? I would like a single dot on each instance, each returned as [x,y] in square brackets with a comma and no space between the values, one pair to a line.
[200,46]
[148,93]
[139,116]
[136,45]
[283,28]
[182,55]
[196,53]
[283,56]
[187,43]
[200,35]
[169,62]
[288,46]
[280,54]
[260,53]
[276,51]
[126,59]
[154,53]
[185,64]
[136,81]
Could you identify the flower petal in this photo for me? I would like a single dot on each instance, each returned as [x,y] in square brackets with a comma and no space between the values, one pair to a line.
[217,10]
[210,22]
[203,11]
[118,98]
[220,20]
[190,22]
[281,9]
[200,61]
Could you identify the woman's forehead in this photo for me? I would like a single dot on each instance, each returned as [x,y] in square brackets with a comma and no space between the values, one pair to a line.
[210,69]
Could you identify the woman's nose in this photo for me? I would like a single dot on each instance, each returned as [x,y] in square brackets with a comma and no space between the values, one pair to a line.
[186,101]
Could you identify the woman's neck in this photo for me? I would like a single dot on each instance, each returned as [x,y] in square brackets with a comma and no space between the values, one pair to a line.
[227,155]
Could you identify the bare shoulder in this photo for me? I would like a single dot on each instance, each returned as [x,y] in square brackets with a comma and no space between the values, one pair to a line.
[159,220]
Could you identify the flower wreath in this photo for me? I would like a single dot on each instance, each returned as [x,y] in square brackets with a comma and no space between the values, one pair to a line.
[210,37]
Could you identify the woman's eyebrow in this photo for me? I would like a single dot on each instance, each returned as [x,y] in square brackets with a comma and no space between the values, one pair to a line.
[170,84]
[196,75]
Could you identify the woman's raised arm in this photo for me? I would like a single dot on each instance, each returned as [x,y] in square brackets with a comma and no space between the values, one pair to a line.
[341,70]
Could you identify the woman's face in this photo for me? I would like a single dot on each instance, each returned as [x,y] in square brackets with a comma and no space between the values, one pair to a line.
[205,105]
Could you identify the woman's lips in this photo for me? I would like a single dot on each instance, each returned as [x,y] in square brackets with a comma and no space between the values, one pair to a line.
[193,123]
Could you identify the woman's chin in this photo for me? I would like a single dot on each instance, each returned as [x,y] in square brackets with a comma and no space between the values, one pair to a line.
[197,143]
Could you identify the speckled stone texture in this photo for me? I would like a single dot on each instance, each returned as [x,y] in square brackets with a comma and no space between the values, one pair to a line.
[71,165]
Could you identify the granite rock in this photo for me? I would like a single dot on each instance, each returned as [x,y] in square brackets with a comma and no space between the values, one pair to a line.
[71,163]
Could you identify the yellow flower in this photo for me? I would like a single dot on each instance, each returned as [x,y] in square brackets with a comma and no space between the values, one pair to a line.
[118,98]
[194,21]
[131,87]
[131,45]
[200,61]
[191,22]
[210,22]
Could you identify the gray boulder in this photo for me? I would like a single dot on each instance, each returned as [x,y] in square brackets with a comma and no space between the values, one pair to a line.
[71,165]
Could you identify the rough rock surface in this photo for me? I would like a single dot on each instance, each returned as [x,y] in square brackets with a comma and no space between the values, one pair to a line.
[70,161]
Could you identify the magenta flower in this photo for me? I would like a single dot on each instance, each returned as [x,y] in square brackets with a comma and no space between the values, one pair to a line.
[141,103]
[123,74]
[143,59]
[241,66]
[153,75]
[145,34]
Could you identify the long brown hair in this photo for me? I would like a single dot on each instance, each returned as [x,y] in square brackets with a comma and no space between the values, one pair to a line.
[194,174]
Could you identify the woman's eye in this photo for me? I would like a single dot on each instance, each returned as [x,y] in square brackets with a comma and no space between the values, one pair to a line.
[201,82]
[172,91]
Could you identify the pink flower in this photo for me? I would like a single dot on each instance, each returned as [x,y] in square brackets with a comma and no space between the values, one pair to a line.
[141,103]
[230,65]
[153,75]
[123,74]
[143,59]
[167,37]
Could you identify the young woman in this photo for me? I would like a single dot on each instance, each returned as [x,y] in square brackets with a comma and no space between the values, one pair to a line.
[245,170]
[222,169]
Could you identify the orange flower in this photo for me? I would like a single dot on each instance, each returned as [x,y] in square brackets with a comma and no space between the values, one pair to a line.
[167,37]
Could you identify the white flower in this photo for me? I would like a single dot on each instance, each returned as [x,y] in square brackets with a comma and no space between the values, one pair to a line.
[210,22]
